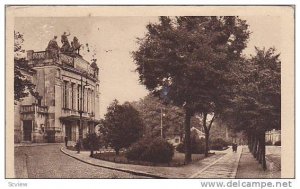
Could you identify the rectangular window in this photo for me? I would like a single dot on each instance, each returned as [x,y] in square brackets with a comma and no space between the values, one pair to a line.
[78,97]
[83,100]
[92,101]
[65,95]
[87,100]
[72,96]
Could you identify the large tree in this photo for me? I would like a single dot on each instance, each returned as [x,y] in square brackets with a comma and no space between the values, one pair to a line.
[189,60]
[122,126]
[154,113]
[22,85]
[256,106]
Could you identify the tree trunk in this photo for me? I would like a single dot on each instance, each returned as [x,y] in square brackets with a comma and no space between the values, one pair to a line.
[252,143]
[206,142]
[206,131]
[249,141]
[92,153]
[187,138]
[254,151]
[117,151]
[258,155]
[263,151]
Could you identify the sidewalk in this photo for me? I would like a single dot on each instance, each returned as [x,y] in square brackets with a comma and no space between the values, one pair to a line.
[152,171]
[225,167]
[250,168]
[273,157]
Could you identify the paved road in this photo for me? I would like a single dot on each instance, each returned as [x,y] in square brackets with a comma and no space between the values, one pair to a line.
[49,162]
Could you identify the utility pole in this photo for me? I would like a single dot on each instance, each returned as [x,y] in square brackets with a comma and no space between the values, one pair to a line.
[81,110]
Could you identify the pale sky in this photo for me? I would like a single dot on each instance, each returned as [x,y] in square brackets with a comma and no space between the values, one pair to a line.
[117,77]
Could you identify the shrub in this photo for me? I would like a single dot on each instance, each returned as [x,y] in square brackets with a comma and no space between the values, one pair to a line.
[180,147]
[277,143]
[137,149]
[197,146]
[268,143]
[218,144]
[152,150]
[85,143]
[91,142]
[159,151]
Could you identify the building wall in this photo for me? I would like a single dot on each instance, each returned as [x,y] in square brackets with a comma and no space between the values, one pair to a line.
[38,133]
[175,140]
[45,86]
[58,102]
[50,79]
[18,125]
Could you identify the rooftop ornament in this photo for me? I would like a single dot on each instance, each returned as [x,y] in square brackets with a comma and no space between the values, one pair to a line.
[72,49]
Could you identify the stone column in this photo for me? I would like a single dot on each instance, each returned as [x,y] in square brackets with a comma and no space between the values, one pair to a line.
[69,100]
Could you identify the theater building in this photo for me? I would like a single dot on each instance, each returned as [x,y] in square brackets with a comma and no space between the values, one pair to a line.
[67,85]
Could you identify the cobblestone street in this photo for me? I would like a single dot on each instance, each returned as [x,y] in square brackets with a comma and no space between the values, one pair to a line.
[53,161]
[49,162]
[156,171]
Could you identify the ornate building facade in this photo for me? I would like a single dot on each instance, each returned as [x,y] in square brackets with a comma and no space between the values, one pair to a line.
[67,86]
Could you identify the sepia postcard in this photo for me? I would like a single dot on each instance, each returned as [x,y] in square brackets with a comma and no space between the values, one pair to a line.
[202,92]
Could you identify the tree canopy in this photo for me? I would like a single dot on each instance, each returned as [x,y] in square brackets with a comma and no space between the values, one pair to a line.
[256,104]
[192,57]
[22,85]
[122,126]
[150,109]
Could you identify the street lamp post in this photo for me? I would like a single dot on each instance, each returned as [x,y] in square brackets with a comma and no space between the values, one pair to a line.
[161,122]
[81,109]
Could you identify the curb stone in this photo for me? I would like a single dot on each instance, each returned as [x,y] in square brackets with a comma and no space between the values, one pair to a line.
[237,163]
[139,173]
[35,144]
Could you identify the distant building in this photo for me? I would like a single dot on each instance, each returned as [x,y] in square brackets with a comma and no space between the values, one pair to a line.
[59,81]
[175,138]
[199,132]
[273,136]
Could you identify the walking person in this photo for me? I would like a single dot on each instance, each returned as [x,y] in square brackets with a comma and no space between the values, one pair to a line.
[236,146]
